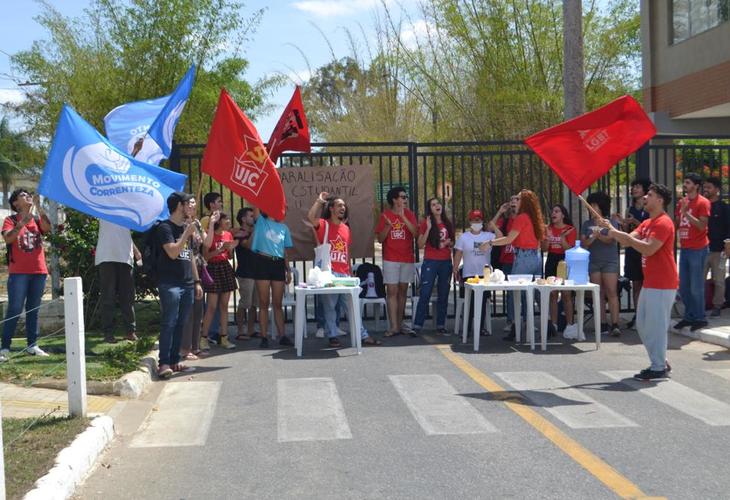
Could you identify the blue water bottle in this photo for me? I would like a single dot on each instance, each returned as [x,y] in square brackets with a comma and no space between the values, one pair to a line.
[577,260]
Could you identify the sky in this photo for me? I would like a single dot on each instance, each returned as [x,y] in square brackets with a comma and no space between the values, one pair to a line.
[284,23]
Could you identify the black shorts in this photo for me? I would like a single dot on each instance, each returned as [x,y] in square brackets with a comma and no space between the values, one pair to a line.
[551,264]
[632,265]
[267,268]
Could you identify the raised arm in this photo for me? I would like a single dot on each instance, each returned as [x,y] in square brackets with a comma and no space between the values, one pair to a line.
[316,209]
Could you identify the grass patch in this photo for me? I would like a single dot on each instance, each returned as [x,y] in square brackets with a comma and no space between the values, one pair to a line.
[31,456]
[103,361]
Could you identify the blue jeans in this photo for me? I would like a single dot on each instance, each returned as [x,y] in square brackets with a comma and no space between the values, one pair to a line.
[432,270]
[526,262]
[319,313]
[332,304]
[692,282]
[507,269]
[23,290]
[175,305]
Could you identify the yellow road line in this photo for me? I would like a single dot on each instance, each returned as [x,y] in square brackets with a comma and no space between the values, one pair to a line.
[609,476]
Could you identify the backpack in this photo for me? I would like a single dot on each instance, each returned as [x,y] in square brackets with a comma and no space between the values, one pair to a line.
[151,252]
[9,246]
[362,274]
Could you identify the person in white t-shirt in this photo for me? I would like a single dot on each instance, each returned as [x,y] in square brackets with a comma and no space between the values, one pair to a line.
[472,247]
[115,256]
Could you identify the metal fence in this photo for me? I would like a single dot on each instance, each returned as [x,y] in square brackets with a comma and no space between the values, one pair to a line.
[484,175]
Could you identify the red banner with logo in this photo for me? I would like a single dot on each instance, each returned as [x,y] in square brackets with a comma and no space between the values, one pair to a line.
[291,132]
[235,157]
[583,149]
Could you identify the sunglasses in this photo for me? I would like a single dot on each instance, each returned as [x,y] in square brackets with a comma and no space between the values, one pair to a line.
[403,196]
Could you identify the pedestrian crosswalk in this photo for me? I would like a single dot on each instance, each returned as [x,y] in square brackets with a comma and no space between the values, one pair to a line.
[310,409]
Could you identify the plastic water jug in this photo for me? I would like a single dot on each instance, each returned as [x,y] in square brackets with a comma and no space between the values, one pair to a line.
[577,259]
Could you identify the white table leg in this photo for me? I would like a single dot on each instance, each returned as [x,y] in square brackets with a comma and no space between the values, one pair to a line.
[597,315]
[544,318]
[478,299]
[355,321]
[580,300]
[299,324]
[530,312]
[518,314]
[489,315]
[468,294]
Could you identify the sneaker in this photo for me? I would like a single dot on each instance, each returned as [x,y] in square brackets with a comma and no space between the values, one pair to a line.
[511,335]
[716,312]
[341,332]
[164,372]
[320,333]
[4,355]
[507,327]
[213,341]
[630,324]
[615,331]
[571,332]
[668,367]
[407,329]
[264,344]
[443,331]
[204,345]
[36,351]
[650,374]
[225,344]
[285,341]
[682,324]
[698,325]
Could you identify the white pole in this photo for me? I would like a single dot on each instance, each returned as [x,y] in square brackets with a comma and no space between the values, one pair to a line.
[2,457]
[75,349]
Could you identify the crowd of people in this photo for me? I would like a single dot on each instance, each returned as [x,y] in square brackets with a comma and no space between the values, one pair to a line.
[195,277]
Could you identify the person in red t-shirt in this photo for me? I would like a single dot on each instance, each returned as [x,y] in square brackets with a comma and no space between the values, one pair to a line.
[654,239]
[396,230]
[436,237]
[507,213]
[693,212]
[331,228]
[218,251]
[527,231]
[559,237]
[27,268]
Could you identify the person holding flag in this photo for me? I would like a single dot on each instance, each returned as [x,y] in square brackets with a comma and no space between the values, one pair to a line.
[654,240]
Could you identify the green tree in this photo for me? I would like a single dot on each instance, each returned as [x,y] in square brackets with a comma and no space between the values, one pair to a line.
[120,51]
[17,155]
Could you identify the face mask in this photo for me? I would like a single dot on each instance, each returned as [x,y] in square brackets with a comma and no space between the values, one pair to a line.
[476,226]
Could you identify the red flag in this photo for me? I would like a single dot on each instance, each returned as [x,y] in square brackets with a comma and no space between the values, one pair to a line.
[291,132]
[235,157]
[583,149]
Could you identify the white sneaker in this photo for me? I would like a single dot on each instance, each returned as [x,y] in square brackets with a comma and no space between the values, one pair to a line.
[36,351]
[571,332]
[507,327]
[4,355]
[320,333]
[341,332]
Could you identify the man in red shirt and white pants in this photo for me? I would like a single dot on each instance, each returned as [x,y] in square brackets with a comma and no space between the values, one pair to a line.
[693,212]
[654,240]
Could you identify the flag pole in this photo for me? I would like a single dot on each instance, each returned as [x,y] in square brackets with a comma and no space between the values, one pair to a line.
[590,208]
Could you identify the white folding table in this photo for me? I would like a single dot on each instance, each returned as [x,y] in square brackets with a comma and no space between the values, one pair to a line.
[300,324]
[580,291]
[477,292]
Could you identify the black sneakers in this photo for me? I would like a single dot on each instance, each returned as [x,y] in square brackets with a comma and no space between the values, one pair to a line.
[697,325]
[681,324]
[264,343]
[649,374]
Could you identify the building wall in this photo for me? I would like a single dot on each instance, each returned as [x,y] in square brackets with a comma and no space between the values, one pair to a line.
[687,76]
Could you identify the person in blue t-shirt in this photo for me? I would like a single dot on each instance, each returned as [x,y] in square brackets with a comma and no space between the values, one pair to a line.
[271,271]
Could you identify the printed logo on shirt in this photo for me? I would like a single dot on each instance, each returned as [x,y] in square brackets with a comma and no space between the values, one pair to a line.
[338,250]
[477,249]
[29,241]
[273,236]
[397,231]
[185,253]
[684,226]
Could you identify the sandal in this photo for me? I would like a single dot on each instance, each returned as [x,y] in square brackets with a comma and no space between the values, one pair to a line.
[191,357]
[182,368]
[335,342]
[392,334]
[242,336]
[164,372]
[370,342]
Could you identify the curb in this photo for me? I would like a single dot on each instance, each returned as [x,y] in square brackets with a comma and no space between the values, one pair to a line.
[709,335]
[74,462]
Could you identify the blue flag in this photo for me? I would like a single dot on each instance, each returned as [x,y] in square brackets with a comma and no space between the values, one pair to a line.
[84,171]
[154,120]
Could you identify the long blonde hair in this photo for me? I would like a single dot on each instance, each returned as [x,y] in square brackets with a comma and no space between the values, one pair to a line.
[530,205]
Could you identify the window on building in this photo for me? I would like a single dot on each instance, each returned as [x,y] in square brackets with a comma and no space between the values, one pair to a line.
[692,17]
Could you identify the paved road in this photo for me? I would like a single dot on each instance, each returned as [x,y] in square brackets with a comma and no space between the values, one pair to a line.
[428,419]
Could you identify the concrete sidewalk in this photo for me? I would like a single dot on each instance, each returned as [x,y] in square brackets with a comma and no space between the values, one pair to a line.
[717,332]
[24,402]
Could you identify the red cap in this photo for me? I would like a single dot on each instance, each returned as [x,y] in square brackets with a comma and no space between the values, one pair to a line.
[475,214]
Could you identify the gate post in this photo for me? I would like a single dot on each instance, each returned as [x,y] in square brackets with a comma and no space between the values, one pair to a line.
[75,348]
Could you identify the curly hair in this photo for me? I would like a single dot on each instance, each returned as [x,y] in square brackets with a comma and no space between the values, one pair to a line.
[530,205]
